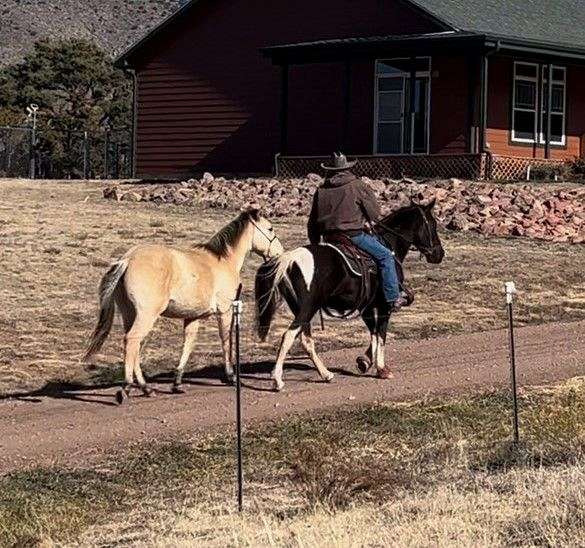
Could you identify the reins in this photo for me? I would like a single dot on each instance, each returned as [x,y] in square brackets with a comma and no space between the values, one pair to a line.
[404,238]
[265,256]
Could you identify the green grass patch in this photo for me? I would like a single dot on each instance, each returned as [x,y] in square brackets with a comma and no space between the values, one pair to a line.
[335,460]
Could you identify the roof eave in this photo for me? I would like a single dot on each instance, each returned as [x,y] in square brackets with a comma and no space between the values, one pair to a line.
[538,48]
[123,60]
[290,52]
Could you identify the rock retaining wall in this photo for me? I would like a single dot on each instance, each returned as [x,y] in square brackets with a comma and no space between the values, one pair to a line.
[546,212]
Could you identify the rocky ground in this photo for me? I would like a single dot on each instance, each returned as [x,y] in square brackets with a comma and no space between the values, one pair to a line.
[549,212]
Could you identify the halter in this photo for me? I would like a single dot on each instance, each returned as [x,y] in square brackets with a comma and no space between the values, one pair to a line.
[270,239]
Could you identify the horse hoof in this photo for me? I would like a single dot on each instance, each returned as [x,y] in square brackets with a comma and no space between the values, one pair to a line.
[121,396]
[363,364]
[230,380]
[278,385]
[148,392]
[385,373]
[329,377]
[178,389]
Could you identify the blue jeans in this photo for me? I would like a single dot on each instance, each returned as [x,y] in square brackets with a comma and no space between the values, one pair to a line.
[384,260]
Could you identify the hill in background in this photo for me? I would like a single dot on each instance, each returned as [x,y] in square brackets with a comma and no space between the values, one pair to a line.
[112,24]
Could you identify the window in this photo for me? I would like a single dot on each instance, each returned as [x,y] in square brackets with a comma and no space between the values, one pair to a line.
[530,103]
[557,111]
[525,101]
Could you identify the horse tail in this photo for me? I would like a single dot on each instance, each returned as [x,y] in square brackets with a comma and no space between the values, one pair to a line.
[107,289]
[274,277]
[268,298]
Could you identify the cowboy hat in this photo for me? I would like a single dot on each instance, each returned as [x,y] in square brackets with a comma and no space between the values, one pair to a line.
[339,163]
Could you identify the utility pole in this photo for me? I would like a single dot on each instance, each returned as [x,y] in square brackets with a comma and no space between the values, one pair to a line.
[32,110]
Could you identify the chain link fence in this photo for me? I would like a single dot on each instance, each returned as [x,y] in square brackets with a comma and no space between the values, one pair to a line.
[51,154]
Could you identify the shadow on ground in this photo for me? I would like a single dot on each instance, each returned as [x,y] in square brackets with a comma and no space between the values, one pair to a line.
[254,377]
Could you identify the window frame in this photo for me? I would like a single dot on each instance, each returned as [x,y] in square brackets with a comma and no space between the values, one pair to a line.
[539,80]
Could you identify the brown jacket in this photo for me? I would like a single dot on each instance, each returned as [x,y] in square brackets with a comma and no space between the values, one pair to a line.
[342,203]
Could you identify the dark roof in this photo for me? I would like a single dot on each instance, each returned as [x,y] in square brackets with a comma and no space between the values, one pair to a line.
[557,23]
[544,21]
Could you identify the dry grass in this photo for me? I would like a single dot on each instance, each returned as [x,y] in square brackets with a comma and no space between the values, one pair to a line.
[439,472]
[57,239]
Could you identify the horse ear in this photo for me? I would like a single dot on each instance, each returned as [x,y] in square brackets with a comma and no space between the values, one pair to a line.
[431,204]
[254,213]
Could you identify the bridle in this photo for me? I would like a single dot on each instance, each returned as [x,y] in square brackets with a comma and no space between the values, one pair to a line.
[423,249]
[270,239]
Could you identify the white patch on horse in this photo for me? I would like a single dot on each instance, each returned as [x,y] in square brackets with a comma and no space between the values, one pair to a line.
[306,262]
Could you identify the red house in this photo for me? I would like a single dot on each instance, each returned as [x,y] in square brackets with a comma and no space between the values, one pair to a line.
[472,88]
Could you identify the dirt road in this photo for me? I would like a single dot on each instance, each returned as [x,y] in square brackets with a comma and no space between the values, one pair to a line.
[72,425]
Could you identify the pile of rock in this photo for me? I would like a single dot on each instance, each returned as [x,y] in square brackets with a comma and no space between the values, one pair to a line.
[535,211]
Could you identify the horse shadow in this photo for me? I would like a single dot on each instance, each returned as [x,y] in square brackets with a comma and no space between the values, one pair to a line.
[58,390]
[208,377]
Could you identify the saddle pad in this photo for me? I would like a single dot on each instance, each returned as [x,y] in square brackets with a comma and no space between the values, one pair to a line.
[353,268]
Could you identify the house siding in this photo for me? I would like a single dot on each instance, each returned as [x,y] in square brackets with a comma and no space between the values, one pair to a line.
[499,136]
[450,90]
[208,100]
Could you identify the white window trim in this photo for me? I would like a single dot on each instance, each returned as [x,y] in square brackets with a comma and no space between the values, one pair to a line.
[422,74]
[539,137]
[534,80]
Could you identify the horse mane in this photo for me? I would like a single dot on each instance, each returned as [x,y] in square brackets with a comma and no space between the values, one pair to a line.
[399,212]
[223,241]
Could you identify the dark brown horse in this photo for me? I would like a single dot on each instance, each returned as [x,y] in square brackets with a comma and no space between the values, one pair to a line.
[314,278]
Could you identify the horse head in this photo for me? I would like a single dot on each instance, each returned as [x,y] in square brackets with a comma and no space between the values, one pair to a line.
[413,226]
[425,234]
[264,241]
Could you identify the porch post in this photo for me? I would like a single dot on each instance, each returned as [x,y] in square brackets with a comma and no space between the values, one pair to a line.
[472,105]
[346,104]
[484,102]
[412,106]
[284,109]
[548,113]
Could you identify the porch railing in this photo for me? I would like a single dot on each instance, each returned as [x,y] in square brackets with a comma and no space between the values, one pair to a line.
[430,166]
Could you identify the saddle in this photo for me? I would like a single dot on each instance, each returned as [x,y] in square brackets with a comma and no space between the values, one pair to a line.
[362,265]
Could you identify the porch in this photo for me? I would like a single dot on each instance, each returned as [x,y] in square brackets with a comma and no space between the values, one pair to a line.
[448,104]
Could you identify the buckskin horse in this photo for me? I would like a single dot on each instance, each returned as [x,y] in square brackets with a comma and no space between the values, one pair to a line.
[152,281]
[318,277]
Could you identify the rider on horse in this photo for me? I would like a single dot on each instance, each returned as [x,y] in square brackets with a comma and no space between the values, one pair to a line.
[346,205]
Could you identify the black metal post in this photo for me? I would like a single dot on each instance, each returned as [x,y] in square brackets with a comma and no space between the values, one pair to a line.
[32,167]
[85,155]
[107,154]
[237,311]
[116,171]
[510,291]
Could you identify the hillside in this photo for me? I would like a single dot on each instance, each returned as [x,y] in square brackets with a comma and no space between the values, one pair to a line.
[113,24]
